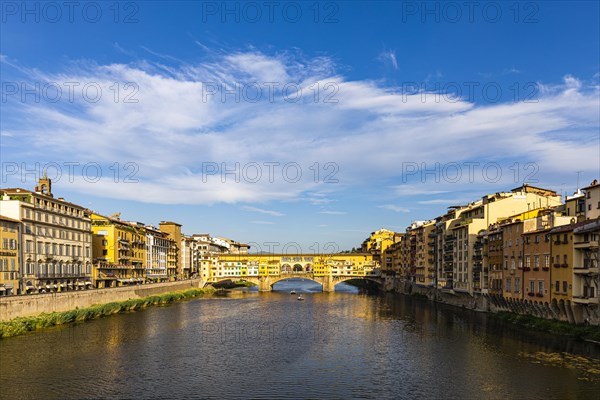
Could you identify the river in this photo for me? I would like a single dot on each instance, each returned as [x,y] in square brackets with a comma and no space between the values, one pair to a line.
[270,345]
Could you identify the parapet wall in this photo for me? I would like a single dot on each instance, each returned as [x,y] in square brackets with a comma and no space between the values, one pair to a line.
[563,311]
[30,305]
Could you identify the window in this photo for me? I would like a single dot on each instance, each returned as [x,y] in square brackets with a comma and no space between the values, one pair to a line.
[537,238]
[565,286]
[547,260]
[589,207]
[517,285]
[531,286]
[565,259]
[508,284]
[541,287]
[528,262]
[536,261]
[557,286]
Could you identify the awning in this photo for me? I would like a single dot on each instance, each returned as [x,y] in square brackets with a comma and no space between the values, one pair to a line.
[47,286]
[63,285]
[29,287]
[2,289]
[88,283]
[80,284]
[55,286]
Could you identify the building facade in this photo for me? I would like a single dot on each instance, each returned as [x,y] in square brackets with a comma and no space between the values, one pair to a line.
[10,245]
[56,239]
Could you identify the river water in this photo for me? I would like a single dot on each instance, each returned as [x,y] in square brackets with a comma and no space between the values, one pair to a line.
[270,345]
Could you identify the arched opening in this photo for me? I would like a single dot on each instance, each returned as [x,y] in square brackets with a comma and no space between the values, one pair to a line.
[358,285]
[286,268]
[297,268]
[297,285]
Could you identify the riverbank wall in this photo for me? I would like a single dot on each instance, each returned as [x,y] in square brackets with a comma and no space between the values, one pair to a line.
[563,311]
[31,305]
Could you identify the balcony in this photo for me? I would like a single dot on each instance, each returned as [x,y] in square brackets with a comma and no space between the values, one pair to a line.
[585,270]
[530,294]
[546,268]
[557,265]
[539,294]
[585,244]
[526,269]
[585,300]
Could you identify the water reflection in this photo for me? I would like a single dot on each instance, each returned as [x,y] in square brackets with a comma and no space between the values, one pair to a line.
[269,345]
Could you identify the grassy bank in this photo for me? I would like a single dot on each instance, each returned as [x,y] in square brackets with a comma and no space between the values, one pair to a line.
[551,326]
[233,284]
[20,326]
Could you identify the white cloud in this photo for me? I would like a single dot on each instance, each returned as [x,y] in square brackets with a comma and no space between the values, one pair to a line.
[262,211]
[262,222]
[333,212]
[395,208]
[389,56]
[175,130]
[446,201]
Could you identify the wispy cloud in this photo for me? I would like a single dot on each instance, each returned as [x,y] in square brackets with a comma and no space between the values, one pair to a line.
[180,129]
[395,208]
[389,56]
[445,201]
[263,222]
[263,211]
[333,212]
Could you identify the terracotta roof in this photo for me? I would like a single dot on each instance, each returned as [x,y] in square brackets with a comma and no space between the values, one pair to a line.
[568,227]
[25,191]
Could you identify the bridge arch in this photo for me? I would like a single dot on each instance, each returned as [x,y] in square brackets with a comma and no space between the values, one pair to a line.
[277,279]
[342,279]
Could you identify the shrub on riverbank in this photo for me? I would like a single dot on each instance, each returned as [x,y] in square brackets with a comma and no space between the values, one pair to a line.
[20,326]
[552,326]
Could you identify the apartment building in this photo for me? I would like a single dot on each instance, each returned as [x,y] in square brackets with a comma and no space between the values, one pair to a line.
[174,262]
[10,245]
[55,237]
[157,249]
[119,251]
[592,200]
[586,263]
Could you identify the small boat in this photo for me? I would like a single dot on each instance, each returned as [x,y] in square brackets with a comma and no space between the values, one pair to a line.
[300,297]
[293,292]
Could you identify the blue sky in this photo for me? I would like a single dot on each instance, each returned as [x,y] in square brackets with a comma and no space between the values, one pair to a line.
[334,109]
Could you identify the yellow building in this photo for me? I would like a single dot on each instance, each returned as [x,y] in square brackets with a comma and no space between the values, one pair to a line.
[379,241]
[119,250]
[174,256]
[561,261]
[9,256]
[235,266]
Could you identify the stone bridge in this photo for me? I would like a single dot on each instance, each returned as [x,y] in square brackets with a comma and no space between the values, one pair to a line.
[265,282]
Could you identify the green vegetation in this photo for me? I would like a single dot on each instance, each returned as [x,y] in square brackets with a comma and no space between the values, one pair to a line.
[233,284]
[20,326]
[552,326]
